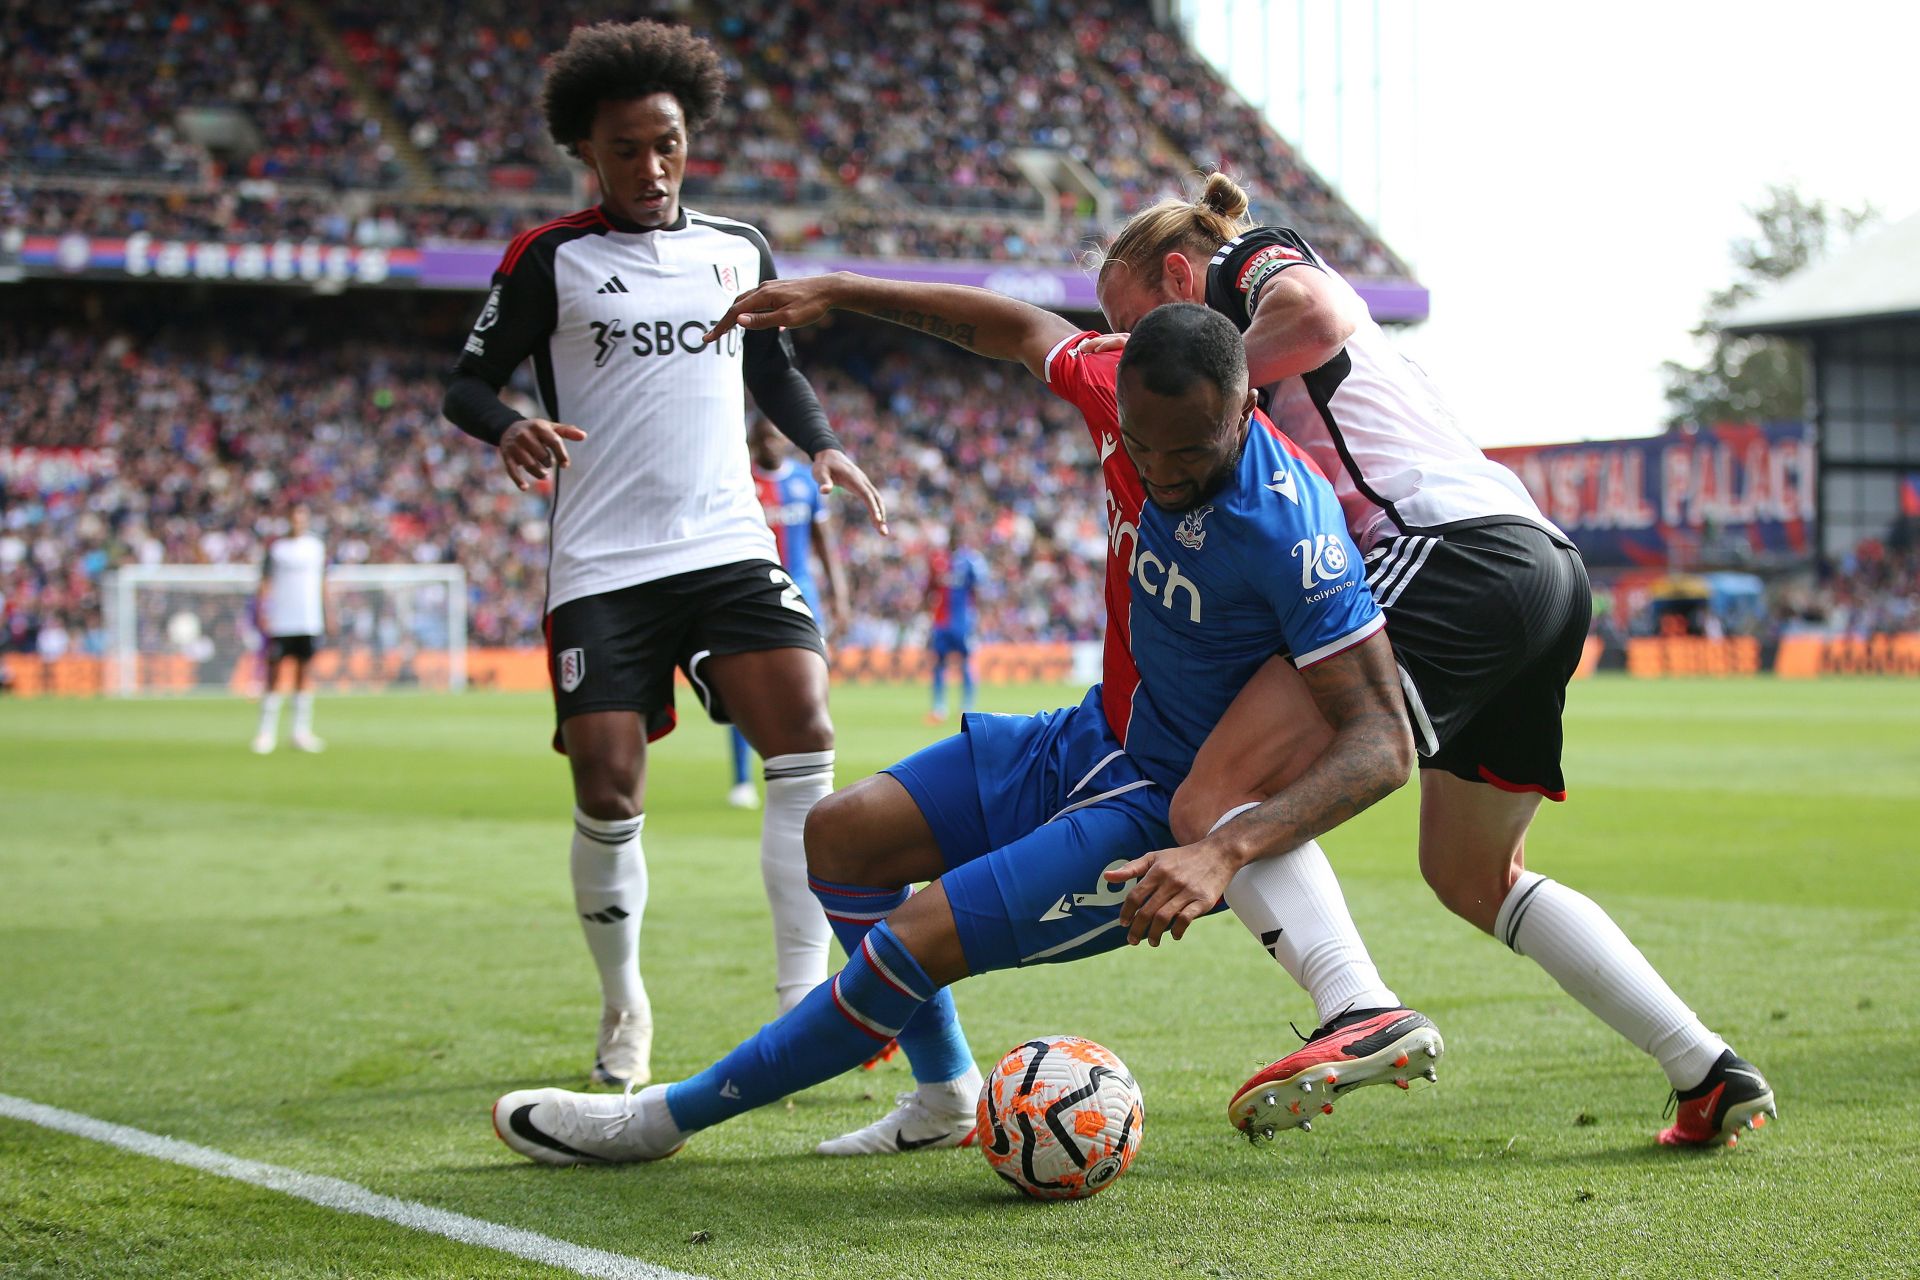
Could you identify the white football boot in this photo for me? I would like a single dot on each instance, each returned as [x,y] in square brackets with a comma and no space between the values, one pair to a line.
[306,742]
[743,796]
[263,744]
[557,1126]
[625,1054]
[925,1119]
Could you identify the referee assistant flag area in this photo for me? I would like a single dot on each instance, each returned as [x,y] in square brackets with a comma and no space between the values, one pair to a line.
[256,1010]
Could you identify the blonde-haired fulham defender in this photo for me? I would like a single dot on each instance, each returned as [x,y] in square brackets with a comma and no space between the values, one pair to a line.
[1487,605]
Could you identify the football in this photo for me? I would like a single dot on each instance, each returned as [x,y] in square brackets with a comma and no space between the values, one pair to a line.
[1060,1117]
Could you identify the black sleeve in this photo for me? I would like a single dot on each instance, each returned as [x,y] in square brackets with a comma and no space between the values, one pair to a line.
[519,315]
[779,388]
[1246,263]
[474,406]
[783,392]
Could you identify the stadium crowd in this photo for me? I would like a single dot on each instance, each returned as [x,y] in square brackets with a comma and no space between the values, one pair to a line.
[883,123]
[188,445]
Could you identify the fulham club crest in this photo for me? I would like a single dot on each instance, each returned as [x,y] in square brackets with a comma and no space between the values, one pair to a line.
[573,669]
[1191,532]
[729,277]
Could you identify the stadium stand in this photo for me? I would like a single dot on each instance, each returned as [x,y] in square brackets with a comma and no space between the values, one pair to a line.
[398,123]
[173,443]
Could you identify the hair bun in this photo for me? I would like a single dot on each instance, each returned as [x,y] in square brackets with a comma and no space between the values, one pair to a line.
[1224,196]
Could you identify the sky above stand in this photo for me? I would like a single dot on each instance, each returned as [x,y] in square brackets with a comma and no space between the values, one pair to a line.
[1567,179]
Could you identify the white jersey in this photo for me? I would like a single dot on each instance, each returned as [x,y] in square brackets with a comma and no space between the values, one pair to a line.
[1369,418]
[292,574]
[613,319]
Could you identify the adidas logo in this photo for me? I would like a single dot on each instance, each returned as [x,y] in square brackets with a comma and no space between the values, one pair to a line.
[613,285]
[1271,941]
[611,915]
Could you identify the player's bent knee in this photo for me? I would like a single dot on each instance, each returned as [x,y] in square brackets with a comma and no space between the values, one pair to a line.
[1474,894]
[1197,806]
[607,794]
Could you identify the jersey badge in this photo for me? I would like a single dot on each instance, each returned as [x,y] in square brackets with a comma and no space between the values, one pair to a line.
[1191,532]
[1283,484]
[489,314]
[1322,559]
[729,277]
[606,335]
[1275,257]
[573,669]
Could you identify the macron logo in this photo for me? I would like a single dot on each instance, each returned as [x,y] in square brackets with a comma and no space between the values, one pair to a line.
[730,1090]
[1283,484]
[613,285]
[1107,447]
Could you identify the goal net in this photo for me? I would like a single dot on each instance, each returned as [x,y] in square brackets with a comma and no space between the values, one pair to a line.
[186,628]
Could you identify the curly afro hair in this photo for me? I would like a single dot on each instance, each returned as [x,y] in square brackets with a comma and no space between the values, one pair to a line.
[618,61]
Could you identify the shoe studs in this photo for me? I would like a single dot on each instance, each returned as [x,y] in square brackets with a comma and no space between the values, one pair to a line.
[1432,1076]
[1326,1108]
[1400,1082]
[1273,1100]
[1306,1126]
[1400,1061]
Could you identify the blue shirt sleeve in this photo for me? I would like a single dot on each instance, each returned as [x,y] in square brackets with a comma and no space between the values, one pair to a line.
[1311,573]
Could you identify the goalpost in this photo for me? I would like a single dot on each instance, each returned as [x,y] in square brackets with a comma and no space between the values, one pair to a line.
[190,628]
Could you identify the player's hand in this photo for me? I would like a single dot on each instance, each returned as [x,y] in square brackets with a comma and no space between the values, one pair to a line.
[533,446]
[1177,887]
[1102,342]
[832,467]
[778,304]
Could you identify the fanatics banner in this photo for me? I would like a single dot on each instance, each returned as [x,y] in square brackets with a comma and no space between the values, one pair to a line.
[1735,494]
[470,265]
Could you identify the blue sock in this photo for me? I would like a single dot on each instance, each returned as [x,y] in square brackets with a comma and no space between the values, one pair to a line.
[966,684]
[836,1028]
[741,753]
[935,1046]
[939,685]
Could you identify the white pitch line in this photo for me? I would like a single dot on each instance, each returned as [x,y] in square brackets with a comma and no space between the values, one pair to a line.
[348,1197]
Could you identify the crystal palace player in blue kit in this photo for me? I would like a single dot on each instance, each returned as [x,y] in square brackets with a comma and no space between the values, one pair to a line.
[802,533]
[1487,605]
[956,574]
[1226,547]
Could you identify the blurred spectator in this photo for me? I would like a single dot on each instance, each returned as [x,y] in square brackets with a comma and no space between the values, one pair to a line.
[199,428]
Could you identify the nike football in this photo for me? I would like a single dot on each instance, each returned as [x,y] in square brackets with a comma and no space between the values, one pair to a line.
[1060,1118]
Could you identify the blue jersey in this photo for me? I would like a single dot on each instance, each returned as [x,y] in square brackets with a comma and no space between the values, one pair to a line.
[793,506]
[1198,600]
[957,577]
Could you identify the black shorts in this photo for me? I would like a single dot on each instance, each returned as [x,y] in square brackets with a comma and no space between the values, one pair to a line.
[617,651]
[1488,622]
[299,648]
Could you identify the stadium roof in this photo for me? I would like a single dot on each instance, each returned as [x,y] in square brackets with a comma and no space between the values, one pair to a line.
[1876,279]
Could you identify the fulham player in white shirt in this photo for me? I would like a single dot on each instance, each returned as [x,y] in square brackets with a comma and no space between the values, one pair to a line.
[660,553]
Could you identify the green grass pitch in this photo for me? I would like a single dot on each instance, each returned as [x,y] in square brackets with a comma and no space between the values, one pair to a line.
[335,963]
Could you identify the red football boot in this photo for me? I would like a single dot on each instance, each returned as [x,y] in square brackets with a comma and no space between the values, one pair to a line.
[1366,1046]
[1733,1097]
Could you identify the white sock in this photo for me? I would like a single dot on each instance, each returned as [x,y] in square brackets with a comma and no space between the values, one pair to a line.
[610,893]
[955,1098]
[801,936]
[302,713]
[270,716]
[1578,944]
[1294,906]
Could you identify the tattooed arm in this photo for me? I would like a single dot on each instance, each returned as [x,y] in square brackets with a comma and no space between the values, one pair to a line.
[1369,757]
[980,320]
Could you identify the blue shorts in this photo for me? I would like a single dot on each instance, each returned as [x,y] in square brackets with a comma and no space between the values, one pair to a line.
[946,640]
[1028,812]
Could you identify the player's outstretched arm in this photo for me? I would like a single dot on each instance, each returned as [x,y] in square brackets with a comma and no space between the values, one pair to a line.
[980,320]
[1369,757]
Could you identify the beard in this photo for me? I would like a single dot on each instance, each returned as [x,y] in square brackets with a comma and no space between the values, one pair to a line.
[1209,488]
